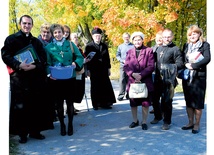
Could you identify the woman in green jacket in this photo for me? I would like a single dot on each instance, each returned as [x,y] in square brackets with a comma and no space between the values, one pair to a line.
[59,53]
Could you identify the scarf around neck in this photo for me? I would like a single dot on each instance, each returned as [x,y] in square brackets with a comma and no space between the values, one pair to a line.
[194,47]
[59,43]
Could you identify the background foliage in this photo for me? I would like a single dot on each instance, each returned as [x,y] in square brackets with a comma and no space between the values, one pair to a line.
[113,16]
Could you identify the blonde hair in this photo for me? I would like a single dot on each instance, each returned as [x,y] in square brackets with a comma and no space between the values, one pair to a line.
[45,26]
[74,35]
[196,29]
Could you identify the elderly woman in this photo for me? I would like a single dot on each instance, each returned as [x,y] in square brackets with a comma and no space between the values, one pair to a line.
[139,65]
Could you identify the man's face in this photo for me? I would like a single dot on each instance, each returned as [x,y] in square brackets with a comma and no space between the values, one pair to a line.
[26,25]
[97,38]
[46,34]
[126,38]
[167,37]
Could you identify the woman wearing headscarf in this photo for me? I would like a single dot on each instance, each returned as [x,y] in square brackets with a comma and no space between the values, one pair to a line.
[139,65]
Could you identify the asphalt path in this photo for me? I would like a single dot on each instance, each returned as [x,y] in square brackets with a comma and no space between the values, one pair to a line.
[107,132]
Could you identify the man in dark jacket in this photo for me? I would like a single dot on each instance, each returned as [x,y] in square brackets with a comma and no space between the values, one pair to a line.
[169,60]
[27,83]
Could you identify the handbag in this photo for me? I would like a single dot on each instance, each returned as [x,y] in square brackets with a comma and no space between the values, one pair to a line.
[183,74]
[78,70]
[138,90]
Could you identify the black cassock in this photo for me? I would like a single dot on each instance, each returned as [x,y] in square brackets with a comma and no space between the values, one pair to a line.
[102,93]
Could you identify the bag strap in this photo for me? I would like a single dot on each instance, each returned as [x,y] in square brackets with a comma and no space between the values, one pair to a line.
[72,48]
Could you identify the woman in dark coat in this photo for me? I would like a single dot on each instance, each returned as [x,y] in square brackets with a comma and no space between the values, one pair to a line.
[28,109]
[139,65]
[195,87]
[80,79]
[98,67]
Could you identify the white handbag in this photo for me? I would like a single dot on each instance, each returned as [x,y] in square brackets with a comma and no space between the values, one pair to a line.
[138,90]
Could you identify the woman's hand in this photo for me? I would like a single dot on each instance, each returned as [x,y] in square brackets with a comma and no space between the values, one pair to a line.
[137,77]
[188,65]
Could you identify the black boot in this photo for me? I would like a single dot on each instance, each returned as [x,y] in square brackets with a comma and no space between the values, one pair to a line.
[62,129]
[70,129]
[22,139]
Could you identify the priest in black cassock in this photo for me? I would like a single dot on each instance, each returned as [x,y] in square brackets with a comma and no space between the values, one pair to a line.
[98,69]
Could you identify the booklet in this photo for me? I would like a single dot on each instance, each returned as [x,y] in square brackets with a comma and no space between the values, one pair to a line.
[28,53]
[90,55]
[25,55]
[195,57]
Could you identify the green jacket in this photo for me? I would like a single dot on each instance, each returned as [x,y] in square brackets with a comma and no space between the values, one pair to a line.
[63,55]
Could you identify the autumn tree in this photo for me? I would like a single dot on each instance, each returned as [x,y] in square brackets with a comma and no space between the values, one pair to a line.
[114,16]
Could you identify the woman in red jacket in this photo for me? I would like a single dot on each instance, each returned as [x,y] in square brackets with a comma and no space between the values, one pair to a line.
[139,65]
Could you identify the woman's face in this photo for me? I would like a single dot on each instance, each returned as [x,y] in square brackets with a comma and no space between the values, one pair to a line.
[97,38]
[58,34]
[194,37]
[159,40]
[137,41]
[66,32]
[46,34]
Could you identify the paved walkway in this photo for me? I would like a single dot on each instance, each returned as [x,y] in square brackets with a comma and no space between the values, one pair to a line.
[106,132]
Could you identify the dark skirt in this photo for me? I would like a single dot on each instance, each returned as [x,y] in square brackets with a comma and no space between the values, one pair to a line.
[145,102]
[79,89]
[194,92]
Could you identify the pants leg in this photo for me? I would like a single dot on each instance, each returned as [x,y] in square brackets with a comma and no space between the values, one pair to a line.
[122,83]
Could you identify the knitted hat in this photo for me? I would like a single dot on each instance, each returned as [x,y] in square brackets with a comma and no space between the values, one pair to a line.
[137,34]
[96,30]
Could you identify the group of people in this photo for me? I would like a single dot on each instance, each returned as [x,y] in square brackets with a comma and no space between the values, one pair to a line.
[158,68]
[37,97]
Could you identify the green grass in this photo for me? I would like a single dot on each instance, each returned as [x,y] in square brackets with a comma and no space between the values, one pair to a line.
[13,146]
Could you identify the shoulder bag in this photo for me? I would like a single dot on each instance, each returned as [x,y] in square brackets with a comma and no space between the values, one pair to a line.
[81,70]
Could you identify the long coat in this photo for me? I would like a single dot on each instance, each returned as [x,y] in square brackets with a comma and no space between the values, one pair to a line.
[194,92]
[143,64]
[28,107]
[102,93]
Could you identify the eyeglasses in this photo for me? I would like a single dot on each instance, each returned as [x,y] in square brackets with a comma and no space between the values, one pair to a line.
[166,37]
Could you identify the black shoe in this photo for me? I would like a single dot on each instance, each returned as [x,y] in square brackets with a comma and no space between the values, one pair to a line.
[37,136]
[144,126]
[95,108]
[23,139]
[76,110]
[127,96]
[195,131]
[120,98]
[133,124]
[107,107]
[187,127]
